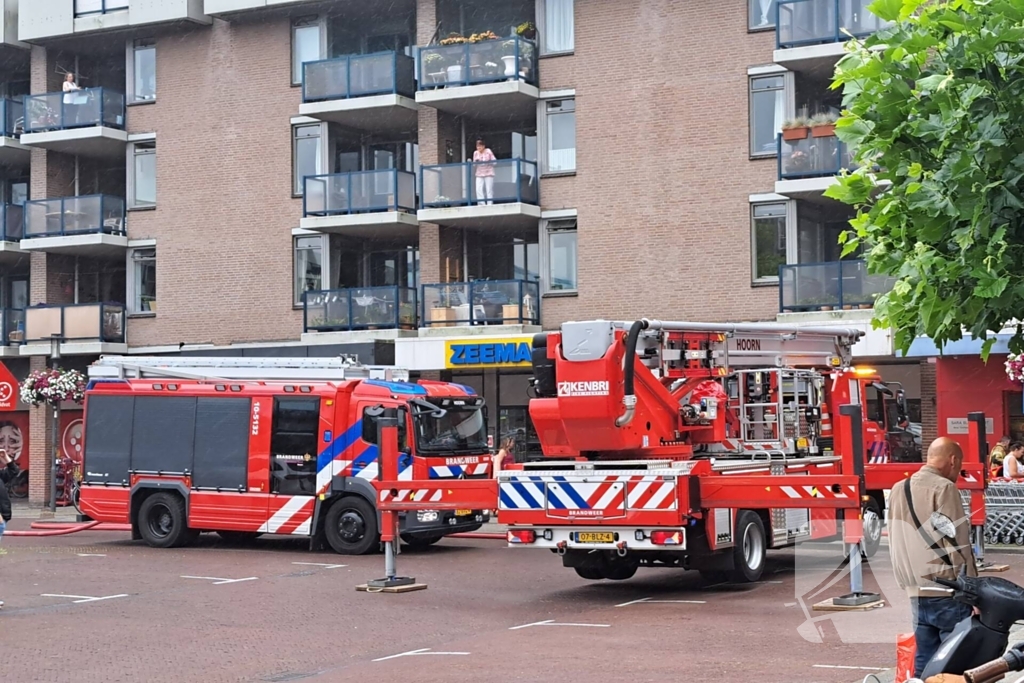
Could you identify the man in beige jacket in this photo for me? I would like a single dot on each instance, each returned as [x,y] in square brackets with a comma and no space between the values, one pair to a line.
[930,541]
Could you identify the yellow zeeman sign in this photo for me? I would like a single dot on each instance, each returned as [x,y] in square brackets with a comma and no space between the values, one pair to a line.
[511,352]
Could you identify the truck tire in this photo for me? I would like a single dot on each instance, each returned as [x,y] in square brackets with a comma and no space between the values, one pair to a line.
[162,521]
[873,523]
[239,536]
[750,550]
[351,527]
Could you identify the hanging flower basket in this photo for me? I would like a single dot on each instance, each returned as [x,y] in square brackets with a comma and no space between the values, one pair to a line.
[53,387]
[1015,368]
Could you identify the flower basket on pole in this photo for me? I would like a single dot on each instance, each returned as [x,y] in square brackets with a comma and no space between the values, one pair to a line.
[53,387]
[1015,369]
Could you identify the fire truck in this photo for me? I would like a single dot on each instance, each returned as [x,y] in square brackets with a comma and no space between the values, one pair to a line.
[244,447]
[701,446]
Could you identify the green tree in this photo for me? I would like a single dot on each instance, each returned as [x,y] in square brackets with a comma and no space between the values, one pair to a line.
[934,116]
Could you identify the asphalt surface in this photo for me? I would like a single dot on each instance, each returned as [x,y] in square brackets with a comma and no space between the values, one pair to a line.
[99,607]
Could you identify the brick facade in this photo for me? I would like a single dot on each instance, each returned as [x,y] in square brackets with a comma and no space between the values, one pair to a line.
[929,413]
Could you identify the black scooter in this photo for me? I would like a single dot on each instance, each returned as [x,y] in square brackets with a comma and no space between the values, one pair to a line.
[979,641]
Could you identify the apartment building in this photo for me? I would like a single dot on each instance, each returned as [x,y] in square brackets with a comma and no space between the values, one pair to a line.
[287,177]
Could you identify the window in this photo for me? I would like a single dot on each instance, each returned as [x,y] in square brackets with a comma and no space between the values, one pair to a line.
[558,29]
[306,44]
[293,445]
[307,154]
[561,136]
[760,14]
[143,75]
[370,429]
[84,7]
[768,235]
[142,266]
[309,258]
[767,111]
[562,256]
[142,192]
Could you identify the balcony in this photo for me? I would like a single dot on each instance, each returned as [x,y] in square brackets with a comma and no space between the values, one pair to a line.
[13,330]
[12,231]
[364,203]
[807,166]
[87,122]
[84,329]
[499,194]
[40,20]
[512,303]
[12,123]
[373,93]
[91,225]
[810,33]
[831,286]
[9,24]
[363,312]
[220,8]
[487,80]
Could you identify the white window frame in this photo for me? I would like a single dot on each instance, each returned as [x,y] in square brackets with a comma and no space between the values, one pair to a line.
[134,295]
[555,221]
[541,13]
[767,27]
[322,24]
[324,272]
[129,89]
[542,129]
[790,234]
[134,142]
[321,161]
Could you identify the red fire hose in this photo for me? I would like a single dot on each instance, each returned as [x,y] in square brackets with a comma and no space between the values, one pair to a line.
[489,537]
[55,532]
[104,526]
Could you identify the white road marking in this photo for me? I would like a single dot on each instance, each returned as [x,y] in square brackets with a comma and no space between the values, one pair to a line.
[321,564]
[90,555]
[858,668]
[652,601]
[551,622]
[82,598]
[217,581]
[414,653]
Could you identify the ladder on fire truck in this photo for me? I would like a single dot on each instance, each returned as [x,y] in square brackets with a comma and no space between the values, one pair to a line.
[335,369]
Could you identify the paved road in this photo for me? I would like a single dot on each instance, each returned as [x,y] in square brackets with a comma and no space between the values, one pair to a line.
[98,607]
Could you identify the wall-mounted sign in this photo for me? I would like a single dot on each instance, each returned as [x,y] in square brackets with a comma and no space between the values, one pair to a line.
[510,352]
[958,425]
[8,390]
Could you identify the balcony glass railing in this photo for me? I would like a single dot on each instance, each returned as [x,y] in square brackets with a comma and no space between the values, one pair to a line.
[481,302]
[468,183]
[812,157]
[12,222]
[361,192]
[98,322]
[89,214]
[84,8]
[342,78]
[13,326]
[359,308]
[834,285]
[74,109]
[813,22]
[12,118]
[488,61]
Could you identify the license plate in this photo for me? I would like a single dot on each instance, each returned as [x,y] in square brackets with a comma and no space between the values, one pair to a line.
[463,513]
[595,537]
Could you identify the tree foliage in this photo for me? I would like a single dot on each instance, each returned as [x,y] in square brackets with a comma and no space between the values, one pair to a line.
[934,116]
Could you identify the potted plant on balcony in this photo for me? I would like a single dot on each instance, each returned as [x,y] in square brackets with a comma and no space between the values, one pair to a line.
[795,129]
[434,65]
[508,55]
[53,387]
[527,30]
[823,125]
[454,67]
[798,162]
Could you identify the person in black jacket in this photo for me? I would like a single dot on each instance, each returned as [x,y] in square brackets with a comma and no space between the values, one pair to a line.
[8,471]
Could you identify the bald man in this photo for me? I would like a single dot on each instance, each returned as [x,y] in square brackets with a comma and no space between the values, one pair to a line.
[922,548]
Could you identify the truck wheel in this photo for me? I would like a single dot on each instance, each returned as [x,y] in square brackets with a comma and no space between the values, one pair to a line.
[162,521]
[351,526]
[239,536]
[420,542]
[873,522]
[750,550]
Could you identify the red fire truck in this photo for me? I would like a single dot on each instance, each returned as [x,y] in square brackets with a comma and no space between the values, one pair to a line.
[251,446]
[699,446]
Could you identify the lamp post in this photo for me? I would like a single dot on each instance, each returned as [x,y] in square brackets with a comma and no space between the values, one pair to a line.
[54,357]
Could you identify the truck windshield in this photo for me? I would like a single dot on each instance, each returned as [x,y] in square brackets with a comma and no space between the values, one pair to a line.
[461,430]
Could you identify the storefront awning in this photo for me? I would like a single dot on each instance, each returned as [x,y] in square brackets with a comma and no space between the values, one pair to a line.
[924,347]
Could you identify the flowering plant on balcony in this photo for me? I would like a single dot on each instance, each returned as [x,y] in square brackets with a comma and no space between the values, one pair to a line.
[479,37]
[1015,368]
[453,39]
[53,387]
[527,29]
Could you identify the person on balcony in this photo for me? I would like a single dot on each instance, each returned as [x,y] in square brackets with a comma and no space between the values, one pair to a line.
[483,170]
[70,99]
